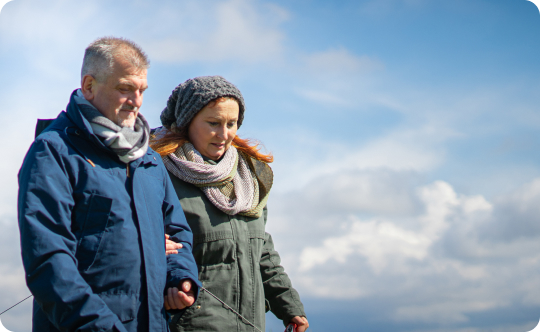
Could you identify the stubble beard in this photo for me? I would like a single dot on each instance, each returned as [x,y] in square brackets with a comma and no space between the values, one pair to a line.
[127,122]
[132,118]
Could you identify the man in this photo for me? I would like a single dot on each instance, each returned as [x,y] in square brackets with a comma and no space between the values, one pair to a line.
[94,205]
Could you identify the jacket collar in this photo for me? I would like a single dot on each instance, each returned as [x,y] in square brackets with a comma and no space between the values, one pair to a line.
[75,115]
[82,124]
[148,158]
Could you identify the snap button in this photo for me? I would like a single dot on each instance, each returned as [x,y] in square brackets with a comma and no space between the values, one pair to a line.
[198,307]
[77,132]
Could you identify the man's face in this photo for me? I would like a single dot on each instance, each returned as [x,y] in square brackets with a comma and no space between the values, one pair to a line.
[120,97]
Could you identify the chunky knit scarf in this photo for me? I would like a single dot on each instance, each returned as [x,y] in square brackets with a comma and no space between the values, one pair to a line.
[231,184]
[128,143]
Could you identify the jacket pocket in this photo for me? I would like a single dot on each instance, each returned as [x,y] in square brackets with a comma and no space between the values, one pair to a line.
[93,229]
[122,305]
[214,250]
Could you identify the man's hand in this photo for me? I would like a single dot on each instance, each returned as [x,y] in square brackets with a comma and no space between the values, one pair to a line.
[180,299]
[171,247]
[301,322]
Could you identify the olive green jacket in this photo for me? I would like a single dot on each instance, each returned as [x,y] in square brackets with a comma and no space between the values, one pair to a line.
[237,262]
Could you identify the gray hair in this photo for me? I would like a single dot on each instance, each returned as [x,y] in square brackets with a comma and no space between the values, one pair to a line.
[99,57]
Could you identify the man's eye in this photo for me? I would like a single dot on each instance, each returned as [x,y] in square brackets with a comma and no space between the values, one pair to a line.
[230,124]
[213,124]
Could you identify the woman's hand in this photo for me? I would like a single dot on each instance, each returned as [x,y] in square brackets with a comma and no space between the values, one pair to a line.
[171,247]
[180,299]
[301,322]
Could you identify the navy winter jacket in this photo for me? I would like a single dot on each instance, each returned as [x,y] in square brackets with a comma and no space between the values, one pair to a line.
[92,233]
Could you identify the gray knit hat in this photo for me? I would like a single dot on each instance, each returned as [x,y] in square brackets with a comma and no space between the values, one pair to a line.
[188,98]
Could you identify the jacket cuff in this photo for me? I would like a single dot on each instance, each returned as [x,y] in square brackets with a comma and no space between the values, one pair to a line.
[176,278]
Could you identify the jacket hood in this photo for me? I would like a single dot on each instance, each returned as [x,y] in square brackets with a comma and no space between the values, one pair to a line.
[74,114]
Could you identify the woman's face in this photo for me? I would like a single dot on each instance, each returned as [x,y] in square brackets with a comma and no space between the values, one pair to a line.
[212,130]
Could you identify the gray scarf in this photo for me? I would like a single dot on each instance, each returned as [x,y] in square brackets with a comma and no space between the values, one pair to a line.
[128,143]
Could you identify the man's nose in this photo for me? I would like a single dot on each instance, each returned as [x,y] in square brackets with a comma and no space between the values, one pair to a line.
[136,99]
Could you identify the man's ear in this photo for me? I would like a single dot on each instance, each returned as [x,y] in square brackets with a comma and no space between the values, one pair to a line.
[88,87]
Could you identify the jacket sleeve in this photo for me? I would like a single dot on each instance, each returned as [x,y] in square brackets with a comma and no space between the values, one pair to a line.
[182,265]
[281,298]
[48,245]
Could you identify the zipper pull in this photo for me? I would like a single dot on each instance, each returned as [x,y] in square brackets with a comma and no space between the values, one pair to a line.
[127,170]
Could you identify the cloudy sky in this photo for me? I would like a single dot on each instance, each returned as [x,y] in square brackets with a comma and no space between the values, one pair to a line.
[405,133]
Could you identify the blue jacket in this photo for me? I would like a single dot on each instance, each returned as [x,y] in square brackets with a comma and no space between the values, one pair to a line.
[92,233]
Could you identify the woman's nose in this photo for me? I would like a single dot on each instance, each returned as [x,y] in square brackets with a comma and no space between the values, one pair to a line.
[222,133]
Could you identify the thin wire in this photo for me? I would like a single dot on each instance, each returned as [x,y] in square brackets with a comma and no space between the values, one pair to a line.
[15,305]
[231,309]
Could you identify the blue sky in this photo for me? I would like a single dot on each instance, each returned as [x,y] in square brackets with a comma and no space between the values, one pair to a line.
[405,133]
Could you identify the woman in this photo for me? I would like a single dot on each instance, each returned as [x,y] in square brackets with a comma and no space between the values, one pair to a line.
[223,182]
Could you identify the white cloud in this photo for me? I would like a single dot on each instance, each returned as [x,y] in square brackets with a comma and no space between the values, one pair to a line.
[209,32]
[382,241]
[176,32]
[308,155]
[373,240]
[432,262]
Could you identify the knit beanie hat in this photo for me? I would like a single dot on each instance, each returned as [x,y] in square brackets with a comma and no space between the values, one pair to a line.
[188,98]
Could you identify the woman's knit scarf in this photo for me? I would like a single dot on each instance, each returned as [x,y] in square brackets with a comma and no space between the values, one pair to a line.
[128,143]
[231,184]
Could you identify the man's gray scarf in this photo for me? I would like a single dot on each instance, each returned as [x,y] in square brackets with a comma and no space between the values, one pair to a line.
[128,143]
